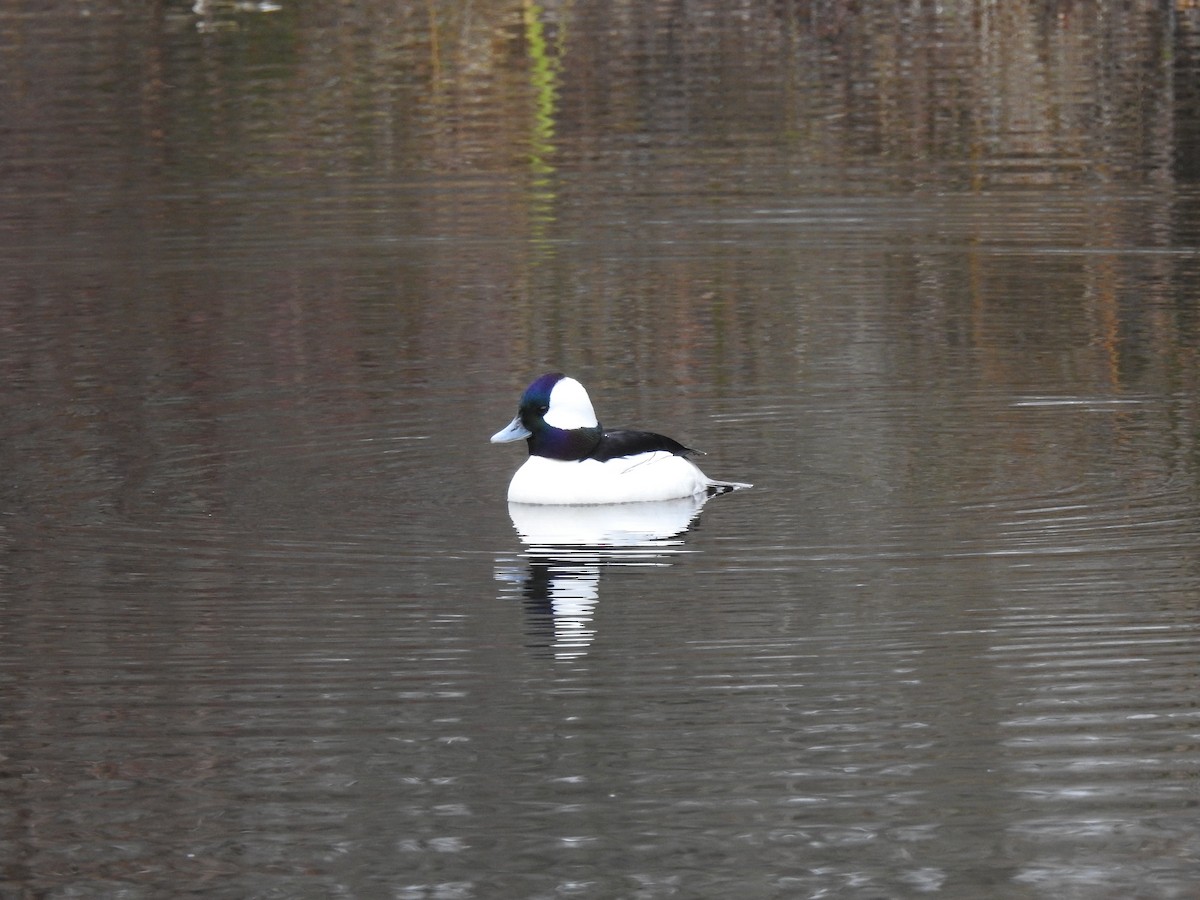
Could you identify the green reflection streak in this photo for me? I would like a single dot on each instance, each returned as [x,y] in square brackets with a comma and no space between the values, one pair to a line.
[543,79]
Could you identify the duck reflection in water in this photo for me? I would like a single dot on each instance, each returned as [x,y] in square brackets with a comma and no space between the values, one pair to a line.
[567,548]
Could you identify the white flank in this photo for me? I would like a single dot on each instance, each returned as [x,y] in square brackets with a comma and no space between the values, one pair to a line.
[645,476]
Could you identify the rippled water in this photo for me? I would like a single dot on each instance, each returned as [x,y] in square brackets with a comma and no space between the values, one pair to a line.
[272,275]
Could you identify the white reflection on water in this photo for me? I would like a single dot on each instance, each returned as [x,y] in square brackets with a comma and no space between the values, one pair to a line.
[567,548]
[630,529]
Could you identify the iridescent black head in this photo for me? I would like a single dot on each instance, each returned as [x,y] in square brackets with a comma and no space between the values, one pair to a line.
[556,417]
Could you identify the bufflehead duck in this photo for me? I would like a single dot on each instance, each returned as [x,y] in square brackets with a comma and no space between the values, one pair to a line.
[574,461]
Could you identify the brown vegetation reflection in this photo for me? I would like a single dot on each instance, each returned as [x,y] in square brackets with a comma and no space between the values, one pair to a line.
[948,153]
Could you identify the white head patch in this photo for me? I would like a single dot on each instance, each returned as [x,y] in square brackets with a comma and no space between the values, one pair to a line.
[570,406]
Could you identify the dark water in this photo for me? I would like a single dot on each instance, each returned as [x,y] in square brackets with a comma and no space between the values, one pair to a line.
[272,274]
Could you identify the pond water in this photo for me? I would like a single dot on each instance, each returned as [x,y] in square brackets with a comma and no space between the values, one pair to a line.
[927,276]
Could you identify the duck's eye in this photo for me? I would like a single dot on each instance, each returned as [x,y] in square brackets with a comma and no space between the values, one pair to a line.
[542,410]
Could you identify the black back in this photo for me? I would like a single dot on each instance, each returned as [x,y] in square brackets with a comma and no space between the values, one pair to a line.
[626,442]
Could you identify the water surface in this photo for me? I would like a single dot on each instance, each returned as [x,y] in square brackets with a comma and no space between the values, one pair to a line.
[273,274]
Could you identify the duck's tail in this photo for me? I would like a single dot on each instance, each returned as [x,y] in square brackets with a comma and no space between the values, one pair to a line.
[724,487]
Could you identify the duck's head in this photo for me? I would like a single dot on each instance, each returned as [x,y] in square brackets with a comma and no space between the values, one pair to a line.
[556,416]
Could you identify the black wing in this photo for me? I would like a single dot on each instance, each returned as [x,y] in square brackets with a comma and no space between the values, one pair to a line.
[624,442]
